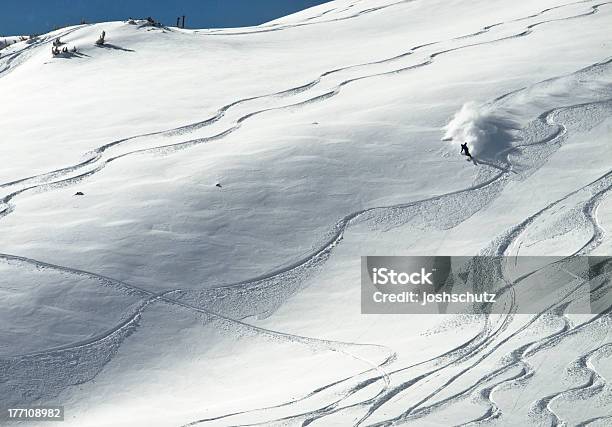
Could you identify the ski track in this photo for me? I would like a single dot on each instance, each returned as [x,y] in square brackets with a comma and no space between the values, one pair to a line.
[474,346]
[543,405]
[590,211]
[594,420]
[502,246]
[98,152]
[516,360]
[11,365]
[214,31]
[555,137]
[85,346]
[458,353]
[17,55]
[594,384]
[280,27]
[317,257]
[43,179]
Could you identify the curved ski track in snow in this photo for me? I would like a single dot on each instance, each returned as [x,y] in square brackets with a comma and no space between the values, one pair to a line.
[279,27]
[6,61]
[517,356]
[97,162]
[321,256]
[16,363]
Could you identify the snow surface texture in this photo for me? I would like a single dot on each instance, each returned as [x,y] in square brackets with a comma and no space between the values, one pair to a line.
[157,298]
[9,40]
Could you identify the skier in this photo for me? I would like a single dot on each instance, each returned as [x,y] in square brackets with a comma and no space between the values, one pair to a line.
[465,150]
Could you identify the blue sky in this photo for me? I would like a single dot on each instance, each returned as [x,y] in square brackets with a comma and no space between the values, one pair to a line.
[40,16]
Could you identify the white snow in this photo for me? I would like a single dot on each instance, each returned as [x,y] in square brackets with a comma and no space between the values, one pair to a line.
[6,41]
[158,298]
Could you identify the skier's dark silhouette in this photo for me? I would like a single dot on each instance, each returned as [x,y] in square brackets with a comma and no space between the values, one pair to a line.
[465,150]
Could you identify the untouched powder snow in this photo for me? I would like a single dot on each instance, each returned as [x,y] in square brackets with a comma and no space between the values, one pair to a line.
[135,291]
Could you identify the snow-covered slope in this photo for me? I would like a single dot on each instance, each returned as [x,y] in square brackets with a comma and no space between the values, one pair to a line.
[159,298]
[9,40]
